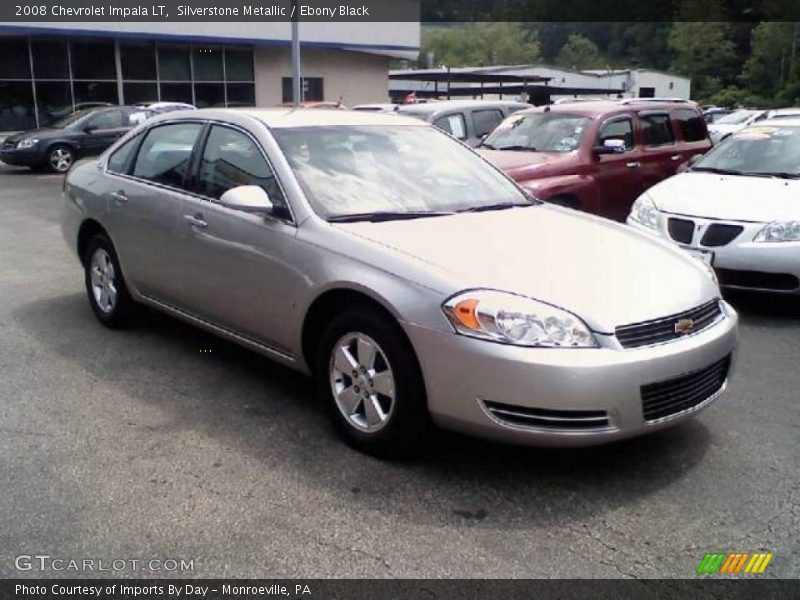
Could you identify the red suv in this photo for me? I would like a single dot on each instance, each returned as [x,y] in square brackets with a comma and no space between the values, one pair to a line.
[597,156]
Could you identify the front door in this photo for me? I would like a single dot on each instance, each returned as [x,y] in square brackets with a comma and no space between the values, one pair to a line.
[618,176]
[239,268]
[102,130]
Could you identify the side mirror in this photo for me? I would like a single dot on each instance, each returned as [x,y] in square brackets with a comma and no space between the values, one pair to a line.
[247,198]
[610,146]
[90,128]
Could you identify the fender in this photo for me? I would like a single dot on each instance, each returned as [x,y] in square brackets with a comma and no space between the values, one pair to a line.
[581,187]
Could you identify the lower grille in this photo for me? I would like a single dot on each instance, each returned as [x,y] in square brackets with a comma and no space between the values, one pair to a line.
[720,234]
[667,398]
[681,230]
[666,328]
[541,418]
[780,282]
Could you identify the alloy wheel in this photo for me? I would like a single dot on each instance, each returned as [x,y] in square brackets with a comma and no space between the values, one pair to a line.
[104,281]
[61,160]
[362,382]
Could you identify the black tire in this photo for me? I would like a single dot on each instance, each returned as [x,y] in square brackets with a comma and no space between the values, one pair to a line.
[406,430]
[56,165]
[114,314]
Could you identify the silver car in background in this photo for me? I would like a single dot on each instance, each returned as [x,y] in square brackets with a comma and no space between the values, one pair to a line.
[412,278]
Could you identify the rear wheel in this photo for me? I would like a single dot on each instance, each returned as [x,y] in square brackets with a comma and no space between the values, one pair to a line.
[105,286]
[60,158]
[371,384]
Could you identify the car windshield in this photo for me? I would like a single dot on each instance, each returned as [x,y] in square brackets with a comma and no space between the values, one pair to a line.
[761,151]
[735,118]
[71,119]
[392,170]
[545,132]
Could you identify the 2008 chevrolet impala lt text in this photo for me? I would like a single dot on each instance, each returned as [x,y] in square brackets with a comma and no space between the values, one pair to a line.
[414,280]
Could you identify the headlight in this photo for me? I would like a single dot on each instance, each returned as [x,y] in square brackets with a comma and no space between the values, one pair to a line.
[27,143]
[644,212]
[511,319]
[788,231]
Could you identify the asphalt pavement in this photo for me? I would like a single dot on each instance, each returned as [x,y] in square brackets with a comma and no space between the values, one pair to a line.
[164,442]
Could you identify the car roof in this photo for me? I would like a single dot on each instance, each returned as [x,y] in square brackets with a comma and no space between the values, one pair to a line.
[432,107]
[608,107]
[782,123]
[279,118]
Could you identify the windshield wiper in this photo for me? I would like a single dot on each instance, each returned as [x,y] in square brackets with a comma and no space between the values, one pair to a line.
[778,174]
[718,171]
[516,148]
[497,206]
[375,217]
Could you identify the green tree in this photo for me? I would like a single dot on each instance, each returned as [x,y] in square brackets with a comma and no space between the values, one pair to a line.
[772,64]
[479,44]
[704,52]
[580,53]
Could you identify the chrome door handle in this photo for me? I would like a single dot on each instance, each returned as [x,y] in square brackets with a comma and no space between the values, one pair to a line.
[632,165]
[119,197]
[196,221]
[676,157]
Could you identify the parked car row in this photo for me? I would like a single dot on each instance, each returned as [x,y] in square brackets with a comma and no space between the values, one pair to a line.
[87,131]
[416,281]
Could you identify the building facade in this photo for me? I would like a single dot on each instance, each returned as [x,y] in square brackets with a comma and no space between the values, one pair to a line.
[47,70]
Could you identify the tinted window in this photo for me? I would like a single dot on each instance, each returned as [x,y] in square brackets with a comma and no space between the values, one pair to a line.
[50,59]
[485,121]
[453,124]
[238,65]
[207,63]
[209,94]
[110,119]
[14,60]
[93,60]
[657,129]
[138,60]
[134,116]
[119,161]
[691,125]
[231,159]
[54,101]
[621,129]
[313,89]
[165,152]
[173,63]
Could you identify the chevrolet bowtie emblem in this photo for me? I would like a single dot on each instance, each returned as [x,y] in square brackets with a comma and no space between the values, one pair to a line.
[684,326]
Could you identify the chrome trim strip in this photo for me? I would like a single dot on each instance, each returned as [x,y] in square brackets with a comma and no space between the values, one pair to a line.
[690,410]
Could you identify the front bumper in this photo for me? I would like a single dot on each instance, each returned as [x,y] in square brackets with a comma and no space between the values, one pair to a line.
[22,157]
[463,374]
[742,263]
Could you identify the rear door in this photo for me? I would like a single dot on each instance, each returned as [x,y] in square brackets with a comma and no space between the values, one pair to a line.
[660,154]
[484,122]
[145,197]
[454,123]
[618,176]
[101,130]
[693,134]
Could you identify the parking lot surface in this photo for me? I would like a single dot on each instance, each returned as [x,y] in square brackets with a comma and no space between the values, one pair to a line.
[161,441]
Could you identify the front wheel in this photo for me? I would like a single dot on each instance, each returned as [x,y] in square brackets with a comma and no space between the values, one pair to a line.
[60,158]
[371,384]
[105,286]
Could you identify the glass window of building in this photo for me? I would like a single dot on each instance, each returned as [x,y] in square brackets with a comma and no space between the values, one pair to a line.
[209,94]
[14,60]
[93,59]
[140,92]
[95,91]
[54,101]
[176,92]
[238,64]
[207,63]
[241,94]
[50,59]
[16,106]
[173,63]
[138,60]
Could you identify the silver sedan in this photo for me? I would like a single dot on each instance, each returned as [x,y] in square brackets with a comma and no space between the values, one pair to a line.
[416,282]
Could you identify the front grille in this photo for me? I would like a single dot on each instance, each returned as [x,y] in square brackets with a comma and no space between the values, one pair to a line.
[719,234]
[779,282]
[680,230]
[8,144]
[542,418]
[666,398]
[665,329]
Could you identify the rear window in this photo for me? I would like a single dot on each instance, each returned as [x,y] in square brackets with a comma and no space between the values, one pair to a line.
[657,129]
[453,124]
[691,125]
[485,121]
[164,155]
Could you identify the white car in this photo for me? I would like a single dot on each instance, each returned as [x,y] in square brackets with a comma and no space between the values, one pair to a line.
[737,208]
[736,121]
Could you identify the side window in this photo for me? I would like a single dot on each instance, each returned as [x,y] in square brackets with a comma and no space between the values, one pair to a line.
[657,129]
[486,120]
[691,124]
[165,152]
[132,118]
[119,161]
[111,119]
[453,124]
[620,129]
[230,159]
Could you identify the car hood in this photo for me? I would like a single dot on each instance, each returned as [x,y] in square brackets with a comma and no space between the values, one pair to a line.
[604,272]
[725,127]
[521,165]
[728,197]
[37,133]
